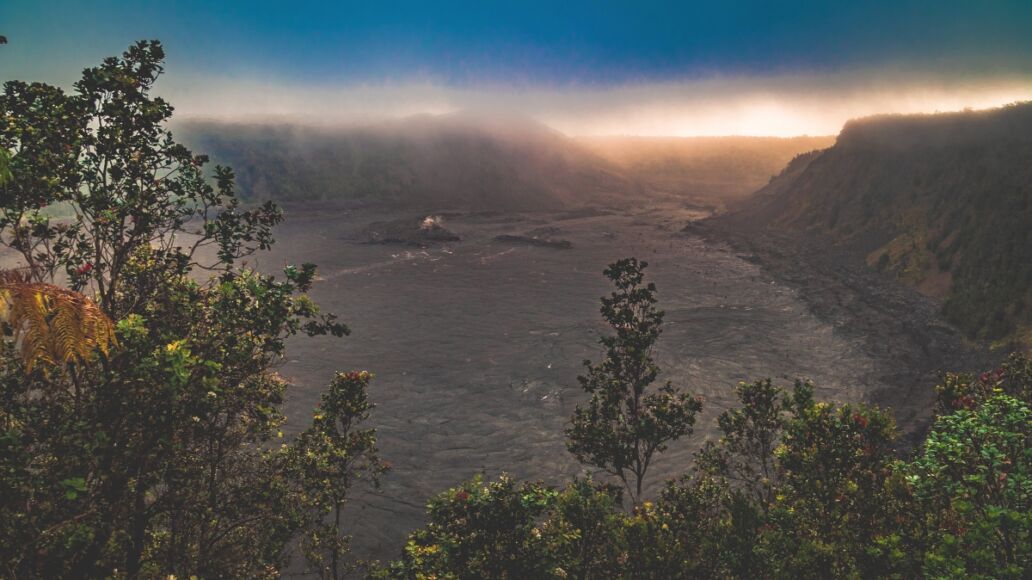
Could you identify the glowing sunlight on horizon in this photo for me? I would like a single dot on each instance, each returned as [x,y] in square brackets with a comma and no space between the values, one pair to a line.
[780,107]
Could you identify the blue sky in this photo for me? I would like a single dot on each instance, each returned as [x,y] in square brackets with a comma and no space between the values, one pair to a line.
[524,42]
[462,48]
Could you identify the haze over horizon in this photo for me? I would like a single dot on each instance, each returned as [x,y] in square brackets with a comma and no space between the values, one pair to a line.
[547,289]
[744,68]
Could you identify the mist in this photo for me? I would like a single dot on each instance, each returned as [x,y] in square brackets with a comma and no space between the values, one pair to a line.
[782,105]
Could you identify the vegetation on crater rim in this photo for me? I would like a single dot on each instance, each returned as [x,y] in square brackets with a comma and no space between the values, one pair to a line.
[140,408]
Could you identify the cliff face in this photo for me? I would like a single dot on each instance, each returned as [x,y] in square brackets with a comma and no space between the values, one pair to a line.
[433,162]
[942,201]
[470,161]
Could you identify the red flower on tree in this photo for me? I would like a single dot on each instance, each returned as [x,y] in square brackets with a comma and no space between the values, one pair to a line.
[860,420]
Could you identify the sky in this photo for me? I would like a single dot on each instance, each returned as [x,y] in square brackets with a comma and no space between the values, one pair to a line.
[639,67]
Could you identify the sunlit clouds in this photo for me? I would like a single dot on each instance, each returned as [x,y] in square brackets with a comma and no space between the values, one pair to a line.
[776,105]
[748,67]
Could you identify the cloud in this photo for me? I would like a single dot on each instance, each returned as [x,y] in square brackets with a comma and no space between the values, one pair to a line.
[780,105]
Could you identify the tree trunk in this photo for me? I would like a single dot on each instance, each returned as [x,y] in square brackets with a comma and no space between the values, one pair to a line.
[336,536]
[138,534]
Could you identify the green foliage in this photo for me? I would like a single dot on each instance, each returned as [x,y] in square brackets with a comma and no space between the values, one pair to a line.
[974,481]
[506,529]
[105,153]
[625,424]
[794,488]
[741,474]
[483,530]
[810,488]
[326,460]
[831,503]
[678,536]
[965,391]
[5,167]
[744,455]
[154,459]
[833,500]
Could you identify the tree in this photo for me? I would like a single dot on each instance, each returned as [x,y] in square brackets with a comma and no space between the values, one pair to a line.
[326,460]
[807,488]
[975,482]
[511,529]
[625,424]
[836,497]
[106,155]
[958,391]
[743,458]
[148,454]
[482,530]
[683,534]
[973,477]
[5,167]
[794,488]
[741,474]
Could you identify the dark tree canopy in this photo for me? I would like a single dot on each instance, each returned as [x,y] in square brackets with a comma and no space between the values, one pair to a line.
[793,488]
[149,454]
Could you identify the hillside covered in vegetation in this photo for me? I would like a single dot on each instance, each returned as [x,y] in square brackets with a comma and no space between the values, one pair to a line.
[471,161]
[944,202]
[426,162]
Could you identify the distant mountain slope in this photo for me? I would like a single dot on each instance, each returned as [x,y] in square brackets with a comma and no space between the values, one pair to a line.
[718,168]
[943,201]
[447,161]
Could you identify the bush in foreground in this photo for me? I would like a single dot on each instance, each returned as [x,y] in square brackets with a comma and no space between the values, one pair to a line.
[794,488]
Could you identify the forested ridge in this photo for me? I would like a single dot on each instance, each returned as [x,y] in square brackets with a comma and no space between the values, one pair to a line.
[461,160]
[943,202]
[472,161]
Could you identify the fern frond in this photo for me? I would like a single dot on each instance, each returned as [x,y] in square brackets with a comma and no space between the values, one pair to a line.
[52,325]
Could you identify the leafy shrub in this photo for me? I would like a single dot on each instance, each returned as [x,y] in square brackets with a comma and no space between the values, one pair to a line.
[974,481]
[506,529]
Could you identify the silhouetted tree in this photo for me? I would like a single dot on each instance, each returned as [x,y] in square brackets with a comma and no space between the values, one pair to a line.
[625,423]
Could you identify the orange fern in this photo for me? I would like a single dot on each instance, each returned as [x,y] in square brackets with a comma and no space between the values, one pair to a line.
[52,325]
